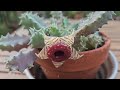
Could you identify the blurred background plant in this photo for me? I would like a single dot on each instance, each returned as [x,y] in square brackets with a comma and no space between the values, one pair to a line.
[76,14]
[117,16]
[69,14]
[117,13]
[9,21]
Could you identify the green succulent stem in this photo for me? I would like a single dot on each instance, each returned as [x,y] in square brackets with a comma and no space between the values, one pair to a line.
[60,26]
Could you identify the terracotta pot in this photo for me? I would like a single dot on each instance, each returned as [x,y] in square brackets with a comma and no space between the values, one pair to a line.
[84,68]
[108,70]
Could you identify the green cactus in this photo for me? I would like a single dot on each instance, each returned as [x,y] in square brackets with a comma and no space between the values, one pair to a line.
[12,42]
[20,62]
[89,42]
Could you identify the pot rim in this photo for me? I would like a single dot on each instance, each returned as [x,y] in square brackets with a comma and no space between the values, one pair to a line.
[112,75]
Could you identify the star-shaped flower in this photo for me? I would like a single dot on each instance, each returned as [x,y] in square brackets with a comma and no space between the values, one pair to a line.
[58,49]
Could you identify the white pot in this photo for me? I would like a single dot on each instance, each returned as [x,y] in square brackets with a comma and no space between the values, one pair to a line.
[107,71]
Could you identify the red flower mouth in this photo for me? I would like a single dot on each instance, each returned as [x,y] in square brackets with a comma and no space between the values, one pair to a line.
[59,52]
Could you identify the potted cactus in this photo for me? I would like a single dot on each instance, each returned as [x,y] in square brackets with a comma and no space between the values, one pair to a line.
[61,48]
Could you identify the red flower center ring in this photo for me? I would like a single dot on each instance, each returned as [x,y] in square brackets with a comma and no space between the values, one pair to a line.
[59,52]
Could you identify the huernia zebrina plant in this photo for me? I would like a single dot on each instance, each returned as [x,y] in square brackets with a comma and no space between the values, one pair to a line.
[57,38]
